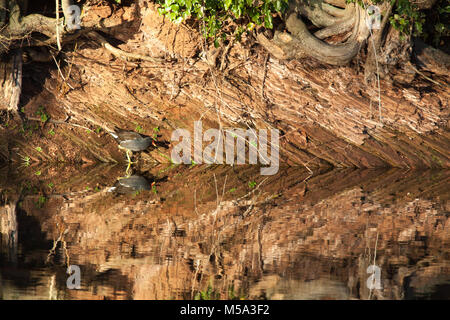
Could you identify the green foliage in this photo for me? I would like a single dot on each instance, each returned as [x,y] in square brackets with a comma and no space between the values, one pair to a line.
[233,295]
[440,22]
[430,25]
[207,294]
[41,201]
[155,133]
[26,160]
[214,14]
[212,294]
[407,19]
[139,129]
[220,19]
[41,112]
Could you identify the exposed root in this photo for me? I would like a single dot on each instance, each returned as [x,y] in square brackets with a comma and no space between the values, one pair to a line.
[334,11]
[299,42]
[19,26]
[338,28]
[316,15]
[120,53]
[337,3]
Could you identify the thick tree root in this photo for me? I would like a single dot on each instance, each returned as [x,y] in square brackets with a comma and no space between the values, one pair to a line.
[317,15]
[338,28]
[19,27]
[337,3]
[299,42]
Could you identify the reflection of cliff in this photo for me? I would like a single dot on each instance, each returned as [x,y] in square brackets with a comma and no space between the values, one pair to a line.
[286,237]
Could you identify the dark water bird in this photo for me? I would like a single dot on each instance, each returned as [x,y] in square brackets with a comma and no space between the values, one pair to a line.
[131,141]
[130,184]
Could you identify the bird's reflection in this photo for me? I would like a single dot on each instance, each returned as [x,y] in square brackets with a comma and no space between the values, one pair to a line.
[130,184]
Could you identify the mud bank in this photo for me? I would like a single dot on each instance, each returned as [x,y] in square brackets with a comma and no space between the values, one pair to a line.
[327,116]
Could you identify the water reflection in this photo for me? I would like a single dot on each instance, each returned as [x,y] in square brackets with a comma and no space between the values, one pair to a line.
[172,232]
[130,184]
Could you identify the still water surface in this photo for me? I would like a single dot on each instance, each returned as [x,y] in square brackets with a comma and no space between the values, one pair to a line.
[224,232]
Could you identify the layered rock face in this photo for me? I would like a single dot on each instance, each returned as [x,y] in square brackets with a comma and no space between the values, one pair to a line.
[327,116]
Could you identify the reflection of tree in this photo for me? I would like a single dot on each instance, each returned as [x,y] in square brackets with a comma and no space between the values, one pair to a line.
[9,231]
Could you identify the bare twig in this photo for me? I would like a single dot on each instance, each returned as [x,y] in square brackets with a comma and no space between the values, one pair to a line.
[60,122]
[264,76]
[58,39]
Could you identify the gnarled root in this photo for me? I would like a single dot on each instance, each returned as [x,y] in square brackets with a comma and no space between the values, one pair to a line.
[298,42]
[19,27]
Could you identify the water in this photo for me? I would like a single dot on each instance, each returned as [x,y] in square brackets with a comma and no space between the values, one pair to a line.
[224,232]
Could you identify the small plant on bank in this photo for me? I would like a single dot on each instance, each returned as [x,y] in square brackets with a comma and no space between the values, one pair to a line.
[155,133]
[25,160]
[221,19]
[208,294]
[215,15]
[407,19]
[41,201]
[139,129]
[42,114]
